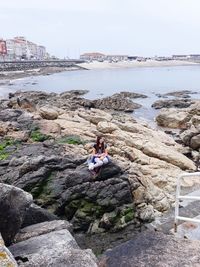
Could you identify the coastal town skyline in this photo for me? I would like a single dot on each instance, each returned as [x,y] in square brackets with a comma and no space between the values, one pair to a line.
[145,28]
[20,48]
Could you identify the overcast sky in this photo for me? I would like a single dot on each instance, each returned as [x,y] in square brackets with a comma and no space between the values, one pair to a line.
[134,27]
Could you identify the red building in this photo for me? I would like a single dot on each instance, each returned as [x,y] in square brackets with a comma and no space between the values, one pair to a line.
[3,49]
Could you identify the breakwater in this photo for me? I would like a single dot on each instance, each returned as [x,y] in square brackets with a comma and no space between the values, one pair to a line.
[28,65]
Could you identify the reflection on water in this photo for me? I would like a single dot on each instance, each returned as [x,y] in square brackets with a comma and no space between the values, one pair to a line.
[101,83]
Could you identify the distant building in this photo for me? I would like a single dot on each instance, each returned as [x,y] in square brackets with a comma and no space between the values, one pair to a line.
[3,49]
[194,56]
[180,57]
[92,56]
[162,58]
[41,52]
[132,57]
[117,57]
[141,59]
[19,48]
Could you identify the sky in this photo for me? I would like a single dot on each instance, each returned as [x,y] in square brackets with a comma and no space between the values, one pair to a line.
[135,27]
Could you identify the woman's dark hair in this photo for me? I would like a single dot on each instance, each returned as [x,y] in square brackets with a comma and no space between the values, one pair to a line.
[98,143]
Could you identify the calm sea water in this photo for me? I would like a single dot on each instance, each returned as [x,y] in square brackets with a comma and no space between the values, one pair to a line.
[100,83]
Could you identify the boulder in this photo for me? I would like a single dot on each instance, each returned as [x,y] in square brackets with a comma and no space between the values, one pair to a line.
[56,248]
[42,228]
[173,118]
[106,127]
[48,113]
[195,142]
[14,203]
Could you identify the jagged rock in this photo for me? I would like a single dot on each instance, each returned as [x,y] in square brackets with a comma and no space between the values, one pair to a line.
[36,214]
[145,212]
[141,251]
[66,186]
[26,104]
[57,248]
[191,136]
[10,114]
[6,258]
[14,203]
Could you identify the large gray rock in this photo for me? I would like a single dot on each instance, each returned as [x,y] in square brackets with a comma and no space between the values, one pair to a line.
[41,229]
[57,248]
[14,203]
[66,187]
[153,249]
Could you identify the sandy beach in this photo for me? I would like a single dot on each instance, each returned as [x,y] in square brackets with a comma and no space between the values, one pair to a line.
[135,64]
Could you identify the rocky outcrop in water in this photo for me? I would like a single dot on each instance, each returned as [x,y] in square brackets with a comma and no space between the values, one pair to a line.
[178,94]
[172,103]
[72,100]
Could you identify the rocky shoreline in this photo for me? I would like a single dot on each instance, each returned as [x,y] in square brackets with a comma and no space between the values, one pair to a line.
[45,140]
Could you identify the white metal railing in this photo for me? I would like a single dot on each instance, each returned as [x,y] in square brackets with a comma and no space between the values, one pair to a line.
[178,197]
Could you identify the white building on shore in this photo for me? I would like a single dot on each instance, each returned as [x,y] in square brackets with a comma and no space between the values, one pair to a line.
[19,48]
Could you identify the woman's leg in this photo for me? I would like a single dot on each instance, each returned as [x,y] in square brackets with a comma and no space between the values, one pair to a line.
[98,163]
[105,160]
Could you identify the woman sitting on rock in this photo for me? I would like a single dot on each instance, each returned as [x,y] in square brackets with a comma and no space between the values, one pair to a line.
[99,154]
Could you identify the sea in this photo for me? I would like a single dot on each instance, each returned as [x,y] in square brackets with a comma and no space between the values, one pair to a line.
[150,81]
